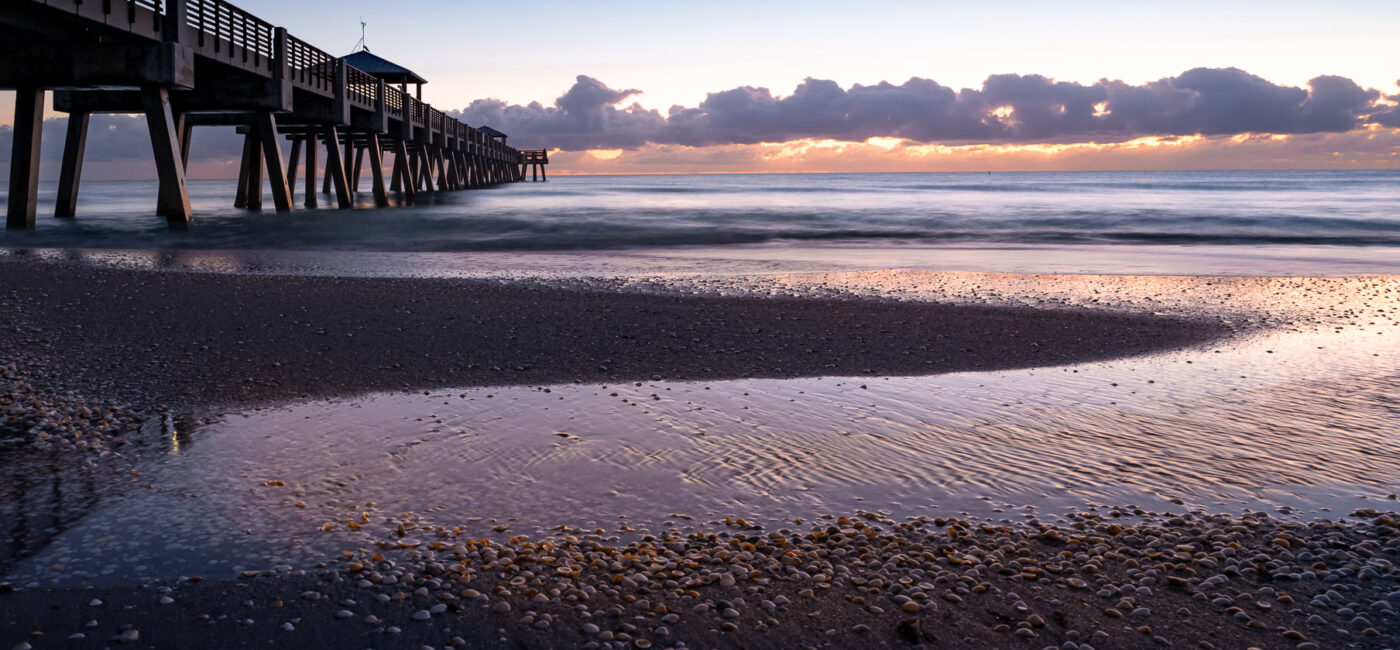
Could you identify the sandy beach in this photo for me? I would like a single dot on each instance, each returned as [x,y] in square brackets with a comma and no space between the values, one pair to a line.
[188,339]
[90,348]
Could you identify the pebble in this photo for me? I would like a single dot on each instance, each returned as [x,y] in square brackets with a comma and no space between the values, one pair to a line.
[344,613]
[129,636]
[423,615]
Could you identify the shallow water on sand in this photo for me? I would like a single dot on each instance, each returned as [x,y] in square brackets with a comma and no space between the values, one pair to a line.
[1296,415]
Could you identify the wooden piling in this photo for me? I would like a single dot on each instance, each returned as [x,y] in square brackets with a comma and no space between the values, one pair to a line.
[255,172]
[292,161]
[71,173]
[24,158]
[311,171]
[396,182]
[355,173]
[335,168]
[240,199]
[376,170]
[186,133]
[170,168]
[404,171]
[266,126]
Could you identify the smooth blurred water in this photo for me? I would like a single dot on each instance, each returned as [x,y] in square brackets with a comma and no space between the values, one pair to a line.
[1352,209]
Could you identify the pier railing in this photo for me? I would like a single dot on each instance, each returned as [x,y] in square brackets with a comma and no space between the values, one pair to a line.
[220,31]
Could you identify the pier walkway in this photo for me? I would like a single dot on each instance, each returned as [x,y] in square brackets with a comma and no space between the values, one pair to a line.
[188,63]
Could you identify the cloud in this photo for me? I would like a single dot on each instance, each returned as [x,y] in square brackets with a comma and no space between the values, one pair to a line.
[805,127]
[585,117]
[1008,108]
[1389,116]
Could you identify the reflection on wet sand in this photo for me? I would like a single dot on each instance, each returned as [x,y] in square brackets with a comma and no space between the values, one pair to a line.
[48,491]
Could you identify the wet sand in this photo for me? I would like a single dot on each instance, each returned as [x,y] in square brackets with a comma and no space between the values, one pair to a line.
[194,339]
[1021,580]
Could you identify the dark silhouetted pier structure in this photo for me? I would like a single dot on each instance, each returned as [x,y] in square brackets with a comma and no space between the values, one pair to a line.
[534,159]
[188,63]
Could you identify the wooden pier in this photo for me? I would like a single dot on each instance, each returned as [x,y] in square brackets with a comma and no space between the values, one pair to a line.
[188,63]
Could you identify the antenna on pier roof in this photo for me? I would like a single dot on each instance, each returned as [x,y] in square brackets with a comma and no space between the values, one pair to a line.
[360,46]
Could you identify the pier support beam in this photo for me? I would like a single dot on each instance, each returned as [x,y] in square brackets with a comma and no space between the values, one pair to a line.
[335,168]
[240,198]
[24,158]
[356,169]
[376,170]
[292,166]
[266,126]
[403,170]
[396,183]
[425,170]
[311,171]
[444,183]
[170,168]
[349,155]
[71,173]
[253,193]
[326,180]
[186,133]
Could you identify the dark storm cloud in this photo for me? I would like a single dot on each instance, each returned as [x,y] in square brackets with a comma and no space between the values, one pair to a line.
[1007,109]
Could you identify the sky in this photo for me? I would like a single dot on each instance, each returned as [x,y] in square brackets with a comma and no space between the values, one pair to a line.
[719,86]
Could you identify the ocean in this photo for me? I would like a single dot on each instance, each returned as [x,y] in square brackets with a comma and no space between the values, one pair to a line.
[1347,209]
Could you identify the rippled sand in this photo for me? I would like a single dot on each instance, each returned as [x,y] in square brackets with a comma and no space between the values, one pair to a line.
[1297,414]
